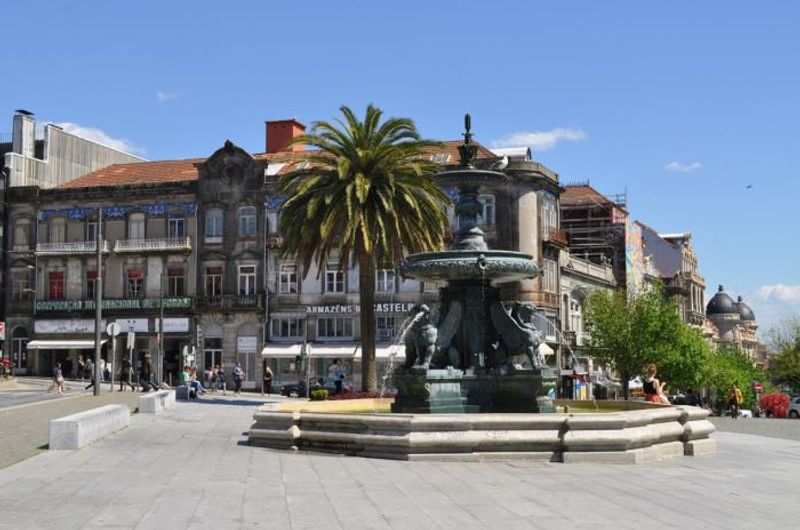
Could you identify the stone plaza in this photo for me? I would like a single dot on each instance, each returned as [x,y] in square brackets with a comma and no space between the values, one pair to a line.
[191,467]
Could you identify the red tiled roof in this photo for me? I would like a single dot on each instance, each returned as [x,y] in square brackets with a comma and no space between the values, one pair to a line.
[166,171]
[583,196]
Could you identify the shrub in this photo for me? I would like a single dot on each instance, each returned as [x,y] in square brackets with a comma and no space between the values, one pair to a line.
[359,395]
[320,394]
[775,404]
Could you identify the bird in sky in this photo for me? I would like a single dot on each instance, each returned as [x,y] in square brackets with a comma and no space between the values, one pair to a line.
[749,187]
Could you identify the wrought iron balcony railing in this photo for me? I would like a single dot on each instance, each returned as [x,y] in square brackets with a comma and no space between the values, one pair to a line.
[73,247]
[160,244]
[230,301]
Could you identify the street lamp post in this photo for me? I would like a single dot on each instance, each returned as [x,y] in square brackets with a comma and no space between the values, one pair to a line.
[160,360]
[98,302]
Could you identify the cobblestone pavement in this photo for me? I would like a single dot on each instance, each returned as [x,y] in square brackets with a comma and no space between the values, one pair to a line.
[772,427]
[22,391]
[191,468]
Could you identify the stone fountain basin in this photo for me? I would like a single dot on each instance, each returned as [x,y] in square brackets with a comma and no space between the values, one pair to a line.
[499,266]
[631,436]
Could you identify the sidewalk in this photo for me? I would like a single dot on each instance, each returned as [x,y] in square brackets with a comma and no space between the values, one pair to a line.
[192,468]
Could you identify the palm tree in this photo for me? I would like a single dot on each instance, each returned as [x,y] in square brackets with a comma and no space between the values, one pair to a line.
[364,197]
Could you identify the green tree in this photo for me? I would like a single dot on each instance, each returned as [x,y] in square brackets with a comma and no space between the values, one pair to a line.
[628,333]
[366,197]
[681,363]
[784,338]
[730,365]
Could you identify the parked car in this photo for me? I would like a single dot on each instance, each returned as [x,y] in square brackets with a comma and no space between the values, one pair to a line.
[298,389]
[794,408]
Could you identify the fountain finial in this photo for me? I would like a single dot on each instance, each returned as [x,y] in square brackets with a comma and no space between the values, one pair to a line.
[468,150]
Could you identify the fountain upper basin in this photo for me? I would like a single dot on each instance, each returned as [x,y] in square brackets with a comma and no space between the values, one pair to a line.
[495,266]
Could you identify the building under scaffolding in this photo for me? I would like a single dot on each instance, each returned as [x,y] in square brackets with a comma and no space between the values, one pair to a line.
[595,226]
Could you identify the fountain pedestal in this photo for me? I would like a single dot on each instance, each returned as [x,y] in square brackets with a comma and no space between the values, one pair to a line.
[450,391]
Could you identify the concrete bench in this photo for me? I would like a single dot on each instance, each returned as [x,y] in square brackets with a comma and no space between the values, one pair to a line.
[81,429]
[182,392]
[156,402]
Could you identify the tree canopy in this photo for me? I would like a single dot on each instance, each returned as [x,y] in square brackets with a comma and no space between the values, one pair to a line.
[784,338]
[366,196]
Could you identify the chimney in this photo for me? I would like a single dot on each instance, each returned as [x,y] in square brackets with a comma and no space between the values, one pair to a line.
[279,132]
[24,135]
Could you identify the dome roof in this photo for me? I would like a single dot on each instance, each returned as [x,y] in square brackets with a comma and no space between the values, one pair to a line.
[721,304]
[745,313]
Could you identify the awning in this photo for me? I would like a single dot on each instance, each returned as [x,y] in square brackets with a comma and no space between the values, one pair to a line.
[276,350]
[384,351]
[331,350]
[544,349]
[62,344]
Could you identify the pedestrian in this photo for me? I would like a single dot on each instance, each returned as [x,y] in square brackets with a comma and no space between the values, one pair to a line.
[267,383]
[81,368]
[125,372]
[214,379]
[238,376]
[88,369]
[5,366]
[107,371]
[58,380]
[653,388]
[735,399]
[195,383]
[221,384]
[337,373]
[147,378]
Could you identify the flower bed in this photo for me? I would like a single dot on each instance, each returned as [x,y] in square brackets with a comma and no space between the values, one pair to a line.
[359,395]
[775,404]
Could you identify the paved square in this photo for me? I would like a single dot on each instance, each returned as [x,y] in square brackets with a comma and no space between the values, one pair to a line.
[191,468]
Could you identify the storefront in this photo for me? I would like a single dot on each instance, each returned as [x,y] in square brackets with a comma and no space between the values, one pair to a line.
[61,340]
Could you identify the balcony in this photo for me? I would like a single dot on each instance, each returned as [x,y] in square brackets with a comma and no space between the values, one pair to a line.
[556,236]
[122,304]
[230,301]
[71,248]
[160,244]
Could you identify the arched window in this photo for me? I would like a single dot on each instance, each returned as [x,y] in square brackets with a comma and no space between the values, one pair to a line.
[136,226]
[58,230]
[214,219]
[247,221]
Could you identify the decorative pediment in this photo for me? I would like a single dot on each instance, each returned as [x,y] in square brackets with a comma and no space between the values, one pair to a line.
[230,163]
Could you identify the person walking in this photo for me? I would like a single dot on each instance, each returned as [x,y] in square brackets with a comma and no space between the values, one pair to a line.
[58,380]
[147,378]
[88,370]
[81,368]
[125,371]
[337,373]
[735,399]
[238,377]
[266,385]
[221,385]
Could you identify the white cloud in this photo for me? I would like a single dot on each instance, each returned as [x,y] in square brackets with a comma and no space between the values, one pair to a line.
[163,97]
[101,137]
[680,167]
[779,292]
[539,140]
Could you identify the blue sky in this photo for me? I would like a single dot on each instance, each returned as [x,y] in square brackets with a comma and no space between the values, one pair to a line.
[683,103]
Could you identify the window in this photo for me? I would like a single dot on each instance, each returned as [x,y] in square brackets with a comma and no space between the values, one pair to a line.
[91,230]
[287,279]
[550,279]
[284,328]
[136,226]
[20,286]
[56,285]
[213,351]
[58,230]
[247,280]
[486,217]
[214,219]
[247,221]
[549,213]
[272,223]
[334,280]
[135,283]
[384,280]
[386,328]
[550,328]
[575,318]
[176,227]
[335,327]
[175,282]
[91,284]
[22,234]
[213,281]
[19,348]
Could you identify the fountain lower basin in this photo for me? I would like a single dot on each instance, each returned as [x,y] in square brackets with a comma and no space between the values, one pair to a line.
[631,436]
[495,266]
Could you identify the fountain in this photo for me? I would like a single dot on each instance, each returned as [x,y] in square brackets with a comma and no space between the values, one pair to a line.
[460,384]
[464,364]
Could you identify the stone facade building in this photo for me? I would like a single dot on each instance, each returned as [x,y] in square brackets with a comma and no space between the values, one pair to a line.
[733,322]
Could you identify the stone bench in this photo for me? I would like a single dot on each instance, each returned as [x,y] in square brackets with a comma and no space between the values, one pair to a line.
[182,392]
[81,429]
[156,402]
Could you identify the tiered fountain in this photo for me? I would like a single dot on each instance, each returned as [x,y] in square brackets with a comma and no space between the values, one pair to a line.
[465,364]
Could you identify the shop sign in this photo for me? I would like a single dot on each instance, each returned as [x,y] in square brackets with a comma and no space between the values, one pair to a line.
[349,309]
[84,325]
[246,344]
[173,325]
[140,325]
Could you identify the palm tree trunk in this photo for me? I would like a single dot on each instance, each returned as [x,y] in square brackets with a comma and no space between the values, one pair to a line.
[366,282]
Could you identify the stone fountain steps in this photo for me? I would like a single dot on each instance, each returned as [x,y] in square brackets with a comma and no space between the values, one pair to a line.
[619,437]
